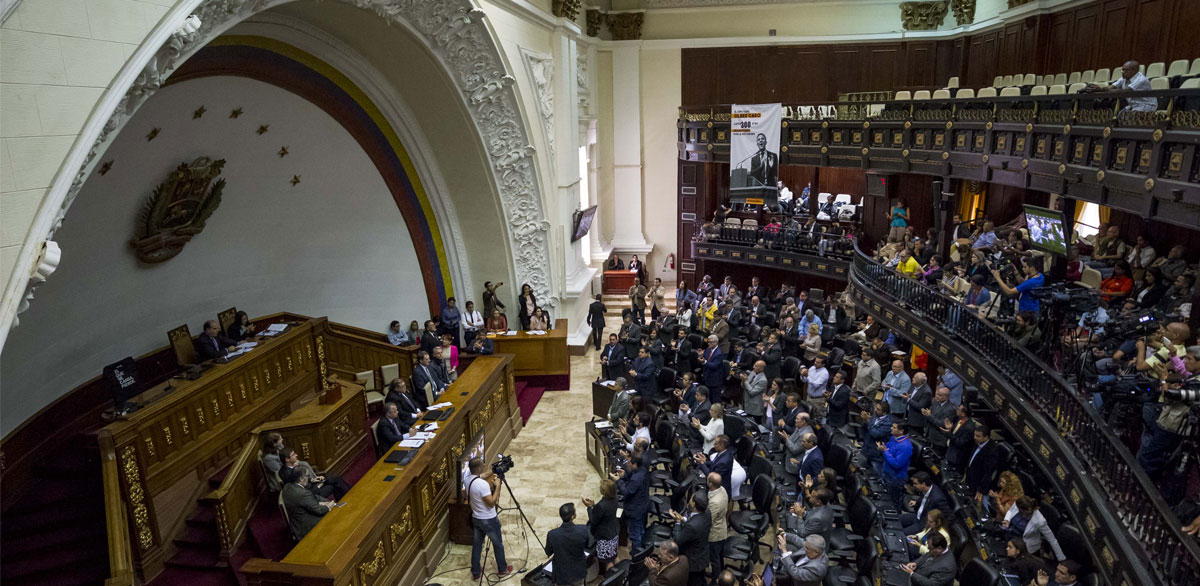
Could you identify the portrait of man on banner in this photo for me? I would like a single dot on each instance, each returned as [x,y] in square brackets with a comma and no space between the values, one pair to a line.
[754,152]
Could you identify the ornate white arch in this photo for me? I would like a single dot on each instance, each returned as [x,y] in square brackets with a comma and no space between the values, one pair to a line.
[453,31]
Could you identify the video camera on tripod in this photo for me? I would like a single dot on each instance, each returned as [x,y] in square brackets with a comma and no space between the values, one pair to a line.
[502,465]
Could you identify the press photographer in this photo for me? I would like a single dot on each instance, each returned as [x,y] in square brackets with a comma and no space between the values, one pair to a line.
[483,490]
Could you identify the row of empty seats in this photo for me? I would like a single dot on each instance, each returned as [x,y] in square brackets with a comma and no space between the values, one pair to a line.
[1156,83]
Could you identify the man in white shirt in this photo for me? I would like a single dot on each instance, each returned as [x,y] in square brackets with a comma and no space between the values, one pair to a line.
[818,379]
[472,323]
[1142,255]
[483,490]
[1132,80]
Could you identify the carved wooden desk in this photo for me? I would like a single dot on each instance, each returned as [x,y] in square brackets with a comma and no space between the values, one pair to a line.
[537,355]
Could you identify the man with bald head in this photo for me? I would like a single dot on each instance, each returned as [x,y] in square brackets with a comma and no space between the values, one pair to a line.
[718,509]
[1132,79]
[212,343]
[754,384]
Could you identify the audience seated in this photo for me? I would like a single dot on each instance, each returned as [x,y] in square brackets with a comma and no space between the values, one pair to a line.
[304,509]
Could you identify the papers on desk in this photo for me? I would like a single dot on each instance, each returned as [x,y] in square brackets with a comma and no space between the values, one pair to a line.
[536,332]
[603,425]
[277,327]
[441,405]
[412,443]
[247,345]
[607,383]
[509,333]
[429,426]
[421,435]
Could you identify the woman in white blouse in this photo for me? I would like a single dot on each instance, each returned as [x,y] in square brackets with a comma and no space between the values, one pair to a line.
[812,343]
[1036,529]
[715,426]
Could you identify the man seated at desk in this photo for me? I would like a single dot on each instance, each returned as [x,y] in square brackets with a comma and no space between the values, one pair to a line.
[410,408]
[324,487]
[483,346]
[212,344]
[390,430]
[427,377]
[304,509]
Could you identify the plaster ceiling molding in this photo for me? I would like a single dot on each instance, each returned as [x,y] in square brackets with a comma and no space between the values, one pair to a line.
[45,265]
[922,16]
[625,26]
[595,21]
[456,34]
[568,9]
[540,67]
[964,11]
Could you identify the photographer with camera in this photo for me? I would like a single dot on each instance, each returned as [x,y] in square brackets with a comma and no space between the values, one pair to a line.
[1033,279]
[483,491]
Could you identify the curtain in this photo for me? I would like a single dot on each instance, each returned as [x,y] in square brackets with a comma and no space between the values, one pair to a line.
[1104,212]
[1079,207]
[972,196]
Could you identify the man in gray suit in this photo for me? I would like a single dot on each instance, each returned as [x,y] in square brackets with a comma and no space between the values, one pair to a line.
[302,507]
[803,560]
[936,568]
[919,399]
[940,415]
[754,384]
[794,445]
[619,409]
[815,520]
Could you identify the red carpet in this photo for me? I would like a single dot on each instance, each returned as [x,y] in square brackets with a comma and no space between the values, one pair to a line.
[527,399]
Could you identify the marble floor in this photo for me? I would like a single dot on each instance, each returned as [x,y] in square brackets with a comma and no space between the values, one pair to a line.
[551,468]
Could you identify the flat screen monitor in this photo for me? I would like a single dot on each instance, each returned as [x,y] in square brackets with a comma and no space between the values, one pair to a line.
[877,184]
[472,451]
[1046,229]
[123,380]
[583,222]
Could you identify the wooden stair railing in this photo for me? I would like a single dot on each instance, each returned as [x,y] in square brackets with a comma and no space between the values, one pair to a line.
[120,550]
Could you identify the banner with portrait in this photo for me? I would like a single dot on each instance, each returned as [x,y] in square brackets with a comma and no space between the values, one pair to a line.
[754,147]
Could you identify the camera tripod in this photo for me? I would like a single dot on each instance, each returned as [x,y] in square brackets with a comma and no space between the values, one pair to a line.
[527,524]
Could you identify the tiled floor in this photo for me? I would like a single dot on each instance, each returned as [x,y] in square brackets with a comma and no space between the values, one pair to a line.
[551,468]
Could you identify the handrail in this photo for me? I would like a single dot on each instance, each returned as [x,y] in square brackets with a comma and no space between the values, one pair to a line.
[836,246]
[120,550]
[1173,555]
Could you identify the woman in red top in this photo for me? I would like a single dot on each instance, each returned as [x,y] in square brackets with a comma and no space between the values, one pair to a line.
[1119,284]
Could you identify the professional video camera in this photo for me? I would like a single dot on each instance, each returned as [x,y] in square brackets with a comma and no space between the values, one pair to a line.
[502,465]
[1003,266]
[1078,301]
[1131,387]
[1133,326]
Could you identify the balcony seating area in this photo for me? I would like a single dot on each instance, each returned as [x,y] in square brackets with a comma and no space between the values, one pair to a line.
[1179,74]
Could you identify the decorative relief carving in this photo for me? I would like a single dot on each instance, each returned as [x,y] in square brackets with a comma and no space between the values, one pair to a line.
[266,375]
[922,16]
[183,424]
[229,398]
[289,363]
[178,209]
[216,409]
[964,11]
[595,20]
[200,415]
[404,525]
[457,36]
[540,67]
[568,9]
[625,26]
[426,504]
[137,497]
[341,430]
[167,435]
[372,568]
[304,449]
[223,526]
[45,265]
[582,91]
[321,356]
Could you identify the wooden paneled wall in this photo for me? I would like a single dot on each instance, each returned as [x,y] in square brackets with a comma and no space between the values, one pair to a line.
[1103,33]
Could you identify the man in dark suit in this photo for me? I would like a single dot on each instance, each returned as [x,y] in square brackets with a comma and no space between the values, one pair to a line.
[936,568]
[772,355]
[390,429]
[701,408]
[928,496]
[720,460]
[764,164]
[813,460]
[616,264]
[962,438]
[645,376]
[790,336]
[667,567]
[426,376]
[681,351]
[429,337]
[712,360]
[817,519]
[212,343]
[755,290]
[410,409]
[691,535]
[982,464]
[568,544]
[612,358]
[838,401]
[919,399]
[303,508]
[630,334]
[938,417]
[595,319]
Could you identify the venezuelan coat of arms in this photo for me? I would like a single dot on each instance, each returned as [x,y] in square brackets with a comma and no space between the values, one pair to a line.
[178,209]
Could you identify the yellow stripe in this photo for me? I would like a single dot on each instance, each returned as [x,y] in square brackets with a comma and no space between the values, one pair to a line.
[351,89]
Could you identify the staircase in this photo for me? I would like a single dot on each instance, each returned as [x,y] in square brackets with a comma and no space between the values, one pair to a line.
[57,534]
[197,557]
[617,302]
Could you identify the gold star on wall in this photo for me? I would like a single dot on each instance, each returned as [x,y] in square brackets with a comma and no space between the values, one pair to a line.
[235,113]
[283,152]
[295,180]
[263,129]
[104,168]
[153,134]
[199,112]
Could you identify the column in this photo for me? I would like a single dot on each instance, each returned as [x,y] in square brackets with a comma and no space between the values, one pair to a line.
[627,151]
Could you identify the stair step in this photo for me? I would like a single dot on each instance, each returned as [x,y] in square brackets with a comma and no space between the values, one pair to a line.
[203,538]
[88,575]
[37,564]
[69,536]
[20,522]
[218,477]
[203,517]
[192,558]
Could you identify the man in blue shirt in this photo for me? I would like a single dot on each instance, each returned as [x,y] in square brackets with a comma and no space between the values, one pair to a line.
[1033,279]
[950,380]
[896,455]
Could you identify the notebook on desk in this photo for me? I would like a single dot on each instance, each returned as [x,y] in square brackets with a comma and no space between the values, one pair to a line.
[438,414]
[401,457]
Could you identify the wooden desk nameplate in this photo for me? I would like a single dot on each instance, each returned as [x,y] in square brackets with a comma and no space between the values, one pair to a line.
[395,531]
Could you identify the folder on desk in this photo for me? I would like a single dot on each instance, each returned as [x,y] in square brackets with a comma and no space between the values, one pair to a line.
[401,457]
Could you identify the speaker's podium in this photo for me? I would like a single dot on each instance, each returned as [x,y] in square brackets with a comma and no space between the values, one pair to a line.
[746,189]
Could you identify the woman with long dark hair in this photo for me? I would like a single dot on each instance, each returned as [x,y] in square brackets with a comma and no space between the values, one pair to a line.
[526,303]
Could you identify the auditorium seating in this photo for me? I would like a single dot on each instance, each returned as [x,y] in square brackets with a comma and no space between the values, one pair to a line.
[1169,76]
